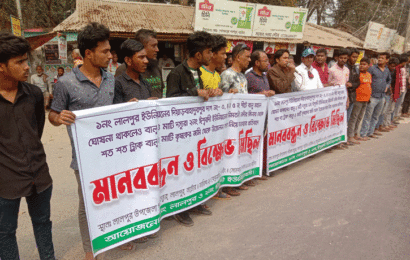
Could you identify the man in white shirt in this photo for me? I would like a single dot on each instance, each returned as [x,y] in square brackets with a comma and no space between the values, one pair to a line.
[307,77]
[165,62]
[40,80]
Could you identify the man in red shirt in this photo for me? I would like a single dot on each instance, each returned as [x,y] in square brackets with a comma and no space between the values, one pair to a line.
[321,66]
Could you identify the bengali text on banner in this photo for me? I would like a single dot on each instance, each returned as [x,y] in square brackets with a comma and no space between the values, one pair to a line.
[142,161]
[304,123]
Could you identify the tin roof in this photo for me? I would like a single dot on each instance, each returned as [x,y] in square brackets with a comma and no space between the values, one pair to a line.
[175,23]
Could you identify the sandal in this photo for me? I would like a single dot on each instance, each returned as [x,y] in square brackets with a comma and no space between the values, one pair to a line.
[141,240]
[263,178]
[242,187]
[152,236]
[231,191]
[221,196]
[201,210]
[340,147]
[127,247]
[365,138]
[250,183]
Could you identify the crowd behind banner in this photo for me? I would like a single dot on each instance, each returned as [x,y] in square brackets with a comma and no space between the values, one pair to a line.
[376,94]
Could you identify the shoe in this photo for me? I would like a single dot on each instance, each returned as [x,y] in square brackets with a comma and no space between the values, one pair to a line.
[152,236]
[201,210]
[184,219]
[263,178]
[384,129]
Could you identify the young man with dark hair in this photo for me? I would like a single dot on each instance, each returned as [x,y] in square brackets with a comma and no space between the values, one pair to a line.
[381,80]
[130,86]
[185,80]
[282,73]
[387,115]
[334,60]
[339,74]
[86,86]
[393,94]
[400,85]
[362,97]
[211,79]
[23,167]
[209,76]
[354,78]
[152,74]
[321,66]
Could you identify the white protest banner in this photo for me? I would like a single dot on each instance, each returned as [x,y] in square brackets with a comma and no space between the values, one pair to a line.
[142,161]
[279,22]
[304,123]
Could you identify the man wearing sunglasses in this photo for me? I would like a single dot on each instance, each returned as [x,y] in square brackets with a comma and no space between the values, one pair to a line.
[307,77]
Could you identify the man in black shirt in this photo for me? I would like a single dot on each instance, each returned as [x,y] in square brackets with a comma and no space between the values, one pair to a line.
[152,74]
[185,80]
[23,168]
[130,86]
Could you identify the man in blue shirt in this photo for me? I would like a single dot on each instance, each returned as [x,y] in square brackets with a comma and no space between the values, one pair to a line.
[87,86]
[381,80]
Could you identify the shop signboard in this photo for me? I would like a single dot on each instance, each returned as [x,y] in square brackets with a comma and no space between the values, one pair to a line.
[15,25]
[279,22]
[373,36]
[246,19]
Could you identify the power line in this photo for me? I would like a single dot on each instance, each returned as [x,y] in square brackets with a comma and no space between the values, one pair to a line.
[370,19]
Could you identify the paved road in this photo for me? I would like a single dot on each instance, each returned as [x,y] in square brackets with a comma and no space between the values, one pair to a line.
[352,204]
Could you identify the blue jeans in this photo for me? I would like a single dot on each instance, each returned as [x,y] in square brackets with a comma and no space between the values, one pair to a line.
[371,117]
[399,102]
[39,210]
[384,110]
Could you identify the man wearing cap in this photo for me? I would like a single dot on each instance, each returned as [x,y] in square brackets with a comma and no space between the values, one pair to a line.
[307,77]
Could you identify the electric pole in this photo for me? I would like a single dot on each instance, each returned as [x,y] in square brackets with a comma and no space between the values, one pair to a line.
[406,41]
[18,5]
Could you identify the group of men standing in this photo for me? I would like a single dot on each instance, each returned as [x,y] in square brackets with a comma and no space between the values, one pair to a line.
[23,168]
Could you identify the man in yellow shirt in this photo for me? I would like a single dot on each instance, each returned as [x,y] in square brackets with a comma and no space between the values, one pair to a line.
[211,79]
[209,76]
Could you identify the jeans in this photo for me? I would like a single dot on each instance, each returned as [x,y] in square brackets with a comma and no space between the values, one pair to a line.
[355,118]
[371,116]
[39,210]
[384,110]
[406,102]
[349,110]
[389,112]
[399,102]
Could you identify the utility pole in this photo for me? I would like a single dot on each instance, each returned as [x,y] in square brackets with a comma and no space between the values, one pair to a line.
[406,41]
[18,5]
